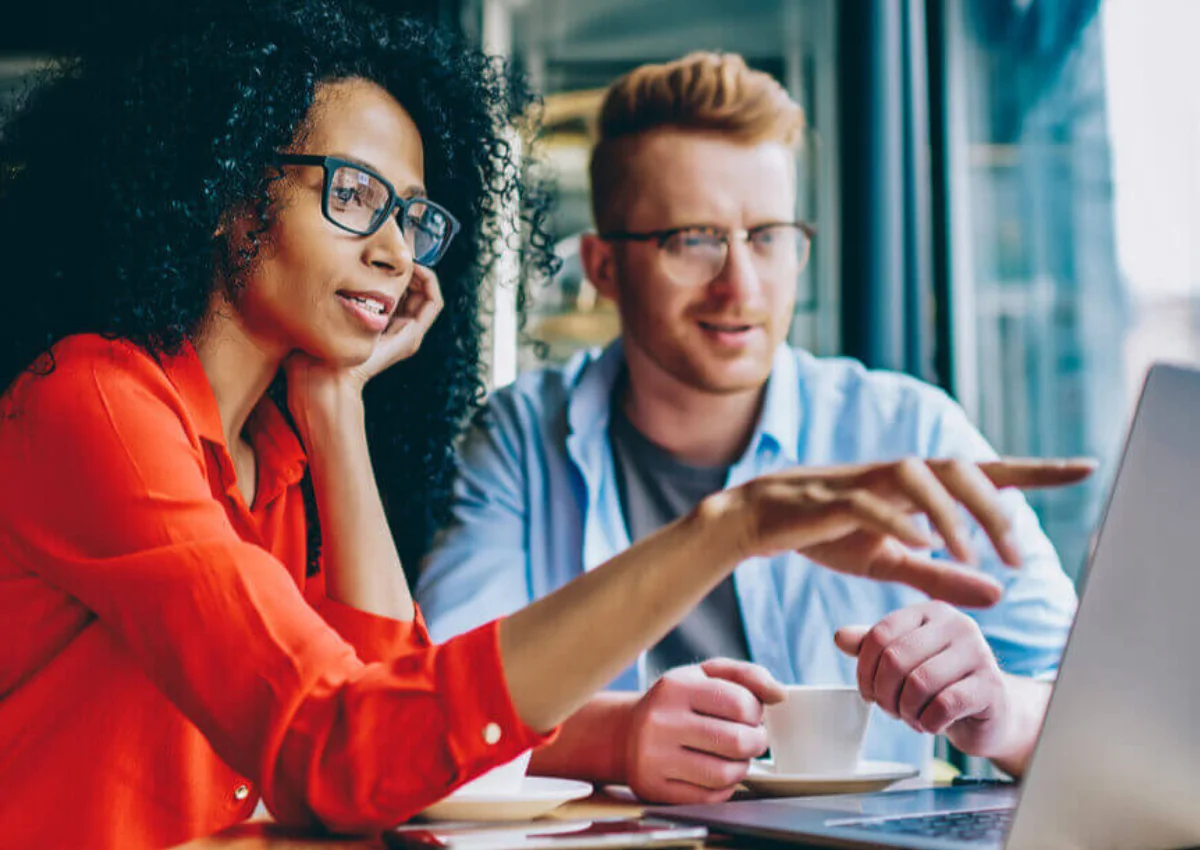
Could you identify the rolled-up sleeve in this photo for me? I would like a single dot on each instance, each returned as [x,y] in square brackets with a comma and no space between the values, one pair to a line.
[115,509]
[374,638]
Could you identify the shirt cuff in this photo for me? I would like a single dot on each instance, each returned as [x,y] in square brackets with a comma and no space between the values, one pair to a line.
[484,729]
[373,637]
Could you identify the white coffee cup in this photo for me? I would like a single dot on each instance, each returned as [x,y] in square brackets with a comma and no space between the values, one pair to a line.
[817,729]
[500,781]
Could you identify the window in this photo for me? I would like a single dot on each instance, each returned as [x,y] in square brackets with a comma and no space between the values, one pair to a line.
[1073,186]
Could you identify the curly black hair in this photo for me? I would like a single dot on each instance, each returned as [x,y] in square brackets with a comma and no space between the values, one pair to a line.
[119,163]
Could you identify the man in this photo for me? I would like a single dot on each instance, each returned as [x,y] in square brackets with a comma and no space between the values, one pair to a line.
[694,197]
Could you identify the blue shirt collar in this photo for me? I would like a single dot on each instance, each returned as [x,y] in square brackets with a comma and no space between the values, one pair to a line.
[778,423]
[782,411]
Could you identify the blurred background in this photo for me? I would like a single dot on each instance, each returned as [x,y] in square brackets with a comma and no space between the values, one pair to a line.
[1004,190]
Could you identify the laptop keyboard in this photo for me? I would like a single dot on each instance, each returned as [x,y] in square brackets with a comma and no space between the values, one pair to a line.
[986,825]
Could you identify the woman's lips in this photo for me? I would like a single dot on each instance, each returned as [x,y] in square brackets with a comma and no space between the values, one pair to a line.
[370,309]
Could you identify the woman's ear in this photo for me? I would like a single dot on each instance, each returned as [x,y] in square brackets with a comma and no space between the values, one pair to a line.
[240,234]
[234,221]
[234,250]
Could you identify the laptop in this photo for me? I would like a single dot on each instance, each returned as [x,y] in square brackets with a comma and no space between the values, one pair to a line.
[1117,764]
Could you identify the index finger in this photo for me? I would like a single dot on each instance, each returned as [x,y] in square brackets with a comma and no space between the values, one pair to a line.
[433,288]
[423,293]
[1029,473]
[726,700]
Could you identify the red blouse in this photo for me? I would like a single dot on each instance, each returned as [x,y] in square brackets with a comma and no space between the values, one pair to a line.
[164,659]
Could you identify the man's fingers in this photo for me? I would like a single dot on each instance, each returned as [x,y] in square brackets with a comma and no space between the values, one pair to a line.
[753,677]
[726,701]
[957,702]
[1028,473]
[901,659]
[705,771]
[849,639]
[929,679]
[723,738]
[879,637]
[676,791]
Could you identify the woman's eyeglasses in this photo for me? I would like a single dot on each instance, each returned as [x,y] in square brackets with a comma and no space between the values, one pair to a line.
[360,201]
[696,255]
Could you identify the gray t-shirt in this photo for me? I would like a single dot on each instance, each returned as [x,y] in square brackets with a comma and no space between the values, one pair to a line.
[656,489]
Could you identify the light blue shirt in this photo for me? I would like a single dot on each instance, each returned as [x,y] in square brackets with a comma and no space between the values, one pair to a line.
[536,505]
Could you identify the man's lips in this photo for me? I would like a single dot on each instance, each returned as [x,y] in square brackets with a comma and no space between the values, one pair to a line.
[725,326]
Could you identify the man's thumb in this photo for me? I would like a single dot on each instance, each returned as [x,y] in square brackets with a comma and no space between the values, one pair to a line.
[753,677]
[849,639]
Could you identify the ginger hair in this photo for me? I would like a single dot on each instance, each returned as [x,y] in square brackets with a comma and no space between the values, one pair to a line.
[703,92]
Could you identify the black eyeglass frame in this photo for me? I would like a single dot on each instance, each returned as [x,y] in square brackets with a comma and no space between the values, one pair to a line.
[397,205]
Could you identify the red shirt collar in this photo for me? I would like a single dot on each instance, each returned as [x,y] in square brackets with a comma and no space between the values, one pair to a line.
[275,443]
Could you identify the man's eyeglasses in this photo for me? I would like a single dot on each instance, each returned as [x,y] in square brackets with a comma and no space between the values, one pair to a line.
[360,201]
[695,255]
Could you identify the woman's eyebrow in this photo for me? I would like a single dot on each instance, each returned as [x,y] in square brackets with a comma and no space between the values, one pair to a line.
[415,190]
[370,166]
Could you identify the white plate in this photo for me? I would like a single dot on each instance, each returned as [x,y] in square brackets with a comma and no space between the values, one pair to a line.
[870,776]
[538,795]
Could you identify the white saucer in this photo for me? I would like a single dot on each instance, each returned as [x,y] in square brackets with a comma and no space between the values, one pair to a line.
[870,776]
[538,795]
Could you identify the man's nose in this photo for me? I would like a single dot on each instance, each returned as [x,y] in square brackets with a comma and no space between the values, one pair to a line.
[739,279]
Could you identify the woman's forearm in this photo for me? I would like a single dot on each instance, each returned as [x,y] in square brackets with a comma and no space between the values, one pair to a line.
[568,645]
[362,568]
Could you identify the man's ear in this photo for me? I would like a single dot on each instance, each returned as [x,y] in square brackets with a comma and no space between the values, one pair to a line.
[599,264]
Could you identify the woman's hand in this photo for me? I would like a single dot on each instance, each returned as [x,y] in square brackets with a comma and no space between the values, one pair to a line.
[853,519]
[362,568]
[858,519]
[414,316]
[316,389]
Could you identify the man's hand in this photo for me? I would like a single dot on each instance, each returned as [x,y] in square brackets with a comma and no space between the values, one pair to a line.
[930,666]
[693,734]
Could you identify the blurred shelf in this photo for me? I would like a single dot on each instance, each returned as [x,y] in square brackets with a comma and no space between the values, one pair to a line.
[578,328]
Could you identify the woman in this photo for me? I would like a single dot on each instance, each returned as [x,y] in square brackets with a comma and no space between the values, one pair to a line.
[260,202]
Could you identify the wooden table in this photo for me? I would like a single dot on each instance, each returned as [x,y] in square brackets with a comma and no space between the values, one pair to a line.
[264,835]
